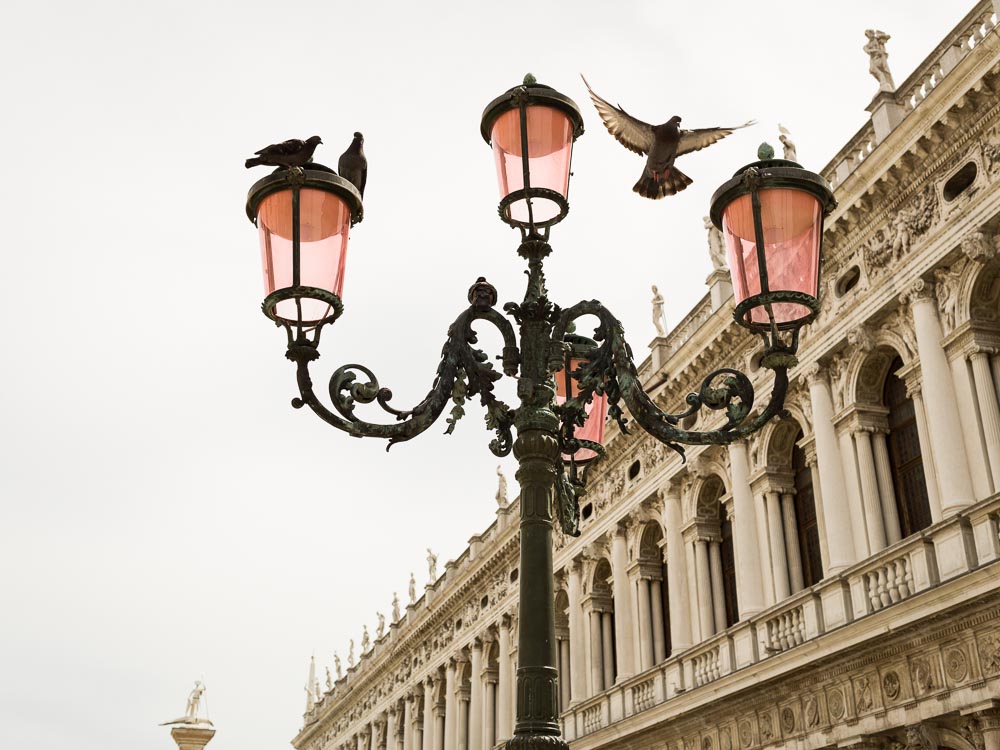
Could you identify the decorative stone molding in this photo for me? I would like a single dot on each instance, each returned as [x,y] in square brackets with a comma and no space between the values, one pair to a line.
[979,246]
[917,291]
[860,337]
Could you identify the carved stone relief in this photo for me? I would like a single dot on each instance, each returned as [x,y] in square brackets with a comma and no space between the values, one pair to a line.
[956,664]
[908,223]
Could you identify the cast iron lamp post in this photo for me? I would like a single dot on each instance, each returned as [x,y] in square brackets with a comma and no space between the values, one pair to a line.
[771,215]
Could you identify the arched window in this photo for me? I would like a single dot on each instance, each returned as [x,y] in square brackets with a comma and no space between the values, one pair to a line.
[728,571]
[563,647]
[714,561]
[805,518]
[601,606]
[651,590]
[905,458]
[492,677]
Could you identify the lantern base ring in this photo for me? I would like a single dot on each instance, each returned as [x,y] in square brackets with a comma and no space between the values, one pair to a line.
[744,309]
[270,305]
[544,194]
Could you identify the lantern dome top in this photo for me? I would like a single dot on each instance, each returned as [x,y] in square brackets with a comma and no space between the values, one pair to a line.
[770,173]
[534,93]
[315,176]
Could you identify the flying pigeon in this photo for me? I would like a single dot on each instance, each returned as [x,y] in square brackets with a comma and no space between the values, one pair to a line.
[663,143]
[291,153]
[353,166]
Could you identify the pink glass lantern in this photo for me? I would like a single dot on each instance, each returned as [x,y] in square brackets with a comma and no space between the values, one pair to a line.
[304,221]
[597,413]
[532,128]
[771,216]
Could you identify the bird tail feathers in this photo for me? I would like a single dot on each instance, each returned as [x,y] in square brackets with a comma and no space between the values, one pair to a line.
[253,163]
[651,186]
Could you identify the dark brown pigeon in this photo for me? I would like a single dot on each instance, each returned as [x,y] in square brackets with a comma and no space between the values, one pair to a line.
[662,143]
[291,153]
[353,166]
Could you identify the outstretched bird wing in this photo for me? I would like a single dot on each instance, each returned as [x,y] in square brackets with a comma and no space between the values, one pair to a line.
[695,140]
[633,134]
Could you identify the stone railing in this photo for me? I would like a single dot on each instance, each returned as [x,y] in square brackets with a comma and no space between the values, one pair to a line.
[946,550]
[962,40]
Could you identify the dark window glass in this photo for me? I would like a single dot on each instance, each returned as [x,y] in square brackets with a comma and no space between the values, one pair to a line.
[904,455]
[805,519]
[728,571]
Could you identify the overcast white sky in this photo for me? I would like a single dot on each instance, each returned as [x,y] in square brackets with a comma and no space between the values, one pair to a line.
[166,515]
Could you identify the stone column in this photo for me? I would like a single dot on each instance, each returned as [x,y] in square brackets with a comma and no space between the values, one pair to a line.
[750,594]
[490,714]
[428,726]
[565,674]
[942,412]
[988,723]
[856,511]
[408,722]
[972,432]
[645,624]
[373,735]
[718,592]
[704,589]
[596,654]
[450,709]
[779,558]
[608,647]
[989,410]
[390,729]
[677,573]
[577,670]
[869,490]
[883,469]
[795,579]
[926,452]
[693,608]
[462,697]
[623,605]
[476,696]
[362,737]
[656,604]
[832,485]
[505,727]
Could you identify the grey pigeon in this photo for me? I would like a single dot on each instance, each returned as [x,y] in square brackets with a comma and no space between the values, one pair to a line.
[288,154]
[353,166]
[662,143]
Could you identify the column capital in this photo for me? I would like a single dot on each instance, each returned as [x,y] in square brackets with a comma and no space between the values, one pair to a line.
[918,290]
[813,373]
[505,621]
[622,527]
[981,350]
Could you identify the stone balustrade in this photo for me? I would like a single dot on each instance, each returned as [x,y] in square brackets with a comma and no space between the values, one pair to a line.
[960,544]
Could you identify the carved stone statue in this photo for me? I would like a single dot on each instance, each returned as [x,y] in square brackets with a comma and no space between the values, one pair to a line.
[380,629]
[350,654]
[194,699]
[786,142]
[716,246]
[502,501]
[329,679]
[661,329]
[336,665]
[878,64]
[395,607]
[413,589]
[432,566]
[366,641]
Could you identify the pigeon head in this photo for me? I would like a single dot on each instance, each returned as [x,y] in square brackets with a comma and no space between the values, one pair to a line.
[676,119]
[314,140]
[358,136]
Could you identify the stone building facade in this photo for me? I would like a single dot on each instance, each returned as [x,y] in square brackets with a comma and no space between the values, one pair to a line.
[832,581]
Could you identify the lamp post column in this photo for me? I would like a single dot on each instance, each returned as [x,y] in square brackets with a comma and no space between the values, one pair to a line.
[537,451]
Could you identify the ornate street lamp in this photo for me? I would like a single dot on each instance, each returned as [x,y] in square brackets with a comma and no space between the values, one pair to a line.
[771,214]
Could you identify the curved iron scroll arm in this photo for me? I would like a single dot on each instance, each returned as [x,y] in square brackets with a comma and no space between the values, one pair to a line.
[611,371]
[464,372]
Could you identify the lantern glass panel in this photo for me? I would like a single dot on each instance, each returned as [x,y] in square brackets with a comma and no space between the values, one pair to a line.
[550,147]
[792,222]
[597,412]
[324,220]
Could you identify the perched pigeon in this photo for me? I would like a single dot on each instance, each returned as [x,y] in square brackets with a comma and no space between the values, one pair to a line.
[353,166]
[663,143]
[292,153]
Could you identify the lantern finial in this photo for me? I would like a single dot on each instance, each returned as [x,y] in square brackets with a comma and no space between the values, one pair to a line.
[765,151]
[529,79]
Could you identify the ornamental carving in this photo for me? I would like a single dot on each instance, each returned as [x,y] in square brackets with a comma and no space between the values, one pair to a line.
[835,700]
[979,247]
[946,284]
[766,727]
[909,222]
[812,712]
[706,743]
[746,733]
[863,694]
[956,664]
[989,653]
[787,720]
[725,739]
[972,731]
[890,685]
